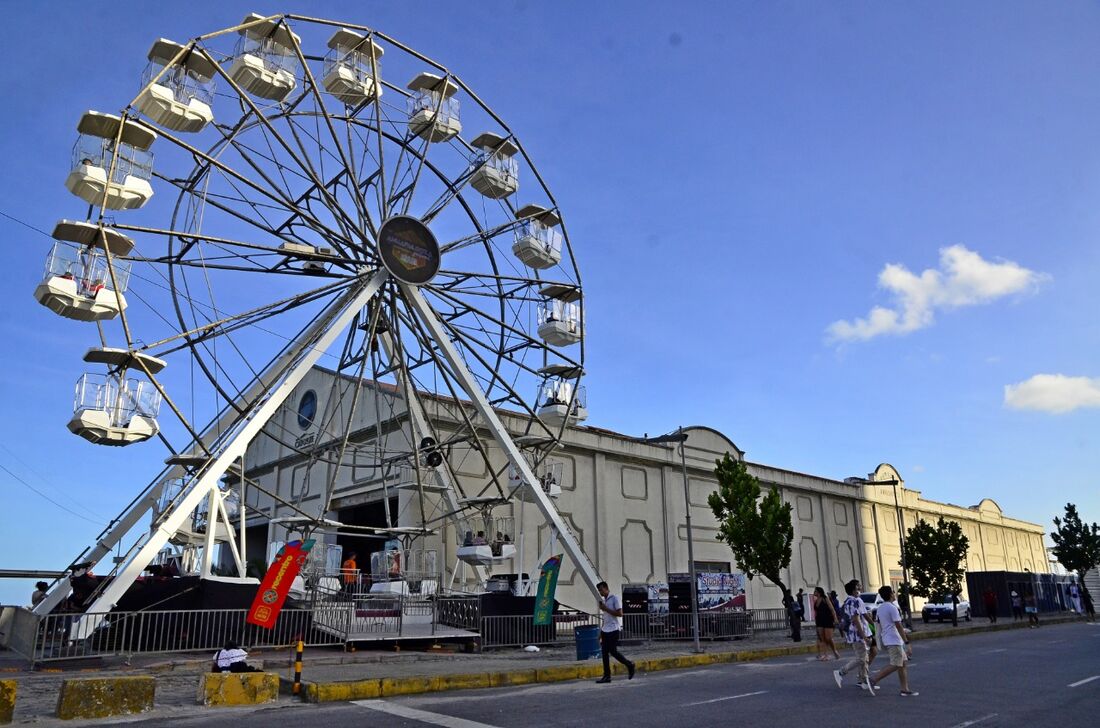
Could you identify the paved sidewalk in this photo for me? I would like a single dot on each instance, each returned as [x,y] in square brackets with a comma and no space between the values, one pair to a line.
[178,675]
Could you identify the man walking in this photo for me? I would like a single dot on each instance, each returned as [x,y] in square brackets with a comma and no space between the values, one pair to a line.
[857,634]
[610,631]
[896,643]
[990,601]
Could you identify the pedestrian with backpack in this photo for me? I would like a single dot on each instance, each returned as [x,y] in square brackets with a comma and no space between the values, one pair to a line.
[857,633]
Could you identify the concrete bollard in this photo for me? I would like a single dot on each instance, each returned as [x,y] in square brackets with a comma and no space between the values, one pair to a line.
[105,697]
[238,688]
[7,700]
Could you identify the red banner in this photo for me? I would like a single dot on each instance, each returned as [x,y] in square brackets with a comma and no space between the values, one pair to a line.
[276,584]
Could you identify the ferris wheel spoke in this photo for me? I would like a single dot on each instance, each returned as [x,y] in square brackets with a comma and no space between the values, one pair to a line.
[228,324]
[261,118]
[272,194]
[453,388]
[482,236]
[349,225]
[189,239]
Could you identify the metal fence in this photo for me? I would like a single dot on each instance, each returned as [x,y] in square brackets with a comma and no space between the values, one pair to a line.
[128,633]
[764,620]
[337,621]
[679,626]
[520,630]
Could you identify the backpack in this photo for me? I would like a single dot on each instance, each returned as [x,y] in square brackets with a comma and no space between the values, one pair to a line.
[844,620]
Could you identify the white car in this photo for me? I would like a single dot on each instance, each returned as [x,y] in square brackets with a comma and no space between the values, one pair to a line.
[942,609]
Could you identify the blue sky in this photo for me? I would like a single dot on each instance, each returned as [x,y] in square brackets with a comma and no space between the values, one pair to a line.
[835,233]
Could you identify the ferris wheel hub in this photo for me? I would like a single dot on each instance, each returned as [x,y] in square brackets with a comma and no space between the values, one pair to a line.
[408,249]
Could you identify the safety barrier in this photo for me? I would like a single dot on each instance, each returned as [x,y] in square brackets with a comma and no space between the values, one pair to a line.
[521,630]
[127,633]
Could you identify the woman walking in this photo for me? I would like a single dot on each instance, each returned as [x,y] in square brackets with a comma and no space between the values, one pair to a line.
[825,619]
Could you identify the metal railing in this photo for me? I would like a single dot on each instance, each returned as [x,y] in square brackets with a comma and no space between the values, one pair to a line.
[339,620]
[678,626]
[520,630]
[764,620]
[57,636]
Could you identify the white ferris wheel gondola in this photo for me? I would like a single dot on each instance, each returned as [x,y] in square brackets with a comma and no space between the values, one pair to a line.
[95,156]
[265,64]
[548,474]
[561,400]
[351,66]
[180,97]
[560,322]
[496,172]
[433,109]
[77,283]
[486,541]
[537,240]
[111,408]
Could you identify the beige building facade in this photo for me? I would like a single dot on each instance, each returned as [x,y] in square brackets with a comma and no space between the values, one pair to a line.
[623,499]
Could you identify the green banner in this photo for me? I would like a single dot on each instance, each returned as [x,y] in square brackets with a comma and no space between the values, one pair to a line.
[548,583]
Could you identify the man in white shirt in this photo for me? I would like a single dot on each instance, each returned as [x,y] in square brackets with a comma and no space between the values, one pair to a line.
[610,630]
[896,642]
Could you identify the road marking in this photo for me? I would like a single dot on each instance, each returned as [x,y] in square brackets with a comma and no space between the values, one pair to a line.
[447,721]
[1086,680]
[1003,649]
[965,723]
[719,700]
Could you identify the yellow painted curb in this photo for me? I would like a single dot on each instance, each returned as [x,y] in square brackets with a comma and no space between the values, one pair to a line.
[7,700]
[514,677]
[238,688]
[558,674]
[97,697]
[409,685]
[338,692]
[468,681]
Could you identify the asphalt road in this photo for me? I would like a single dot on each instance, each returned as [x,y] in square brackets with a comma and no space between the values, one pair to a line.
[1041,677]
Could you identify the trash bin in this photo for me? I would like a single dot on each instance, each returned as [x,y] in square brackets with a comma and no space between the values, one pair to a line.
[588,641]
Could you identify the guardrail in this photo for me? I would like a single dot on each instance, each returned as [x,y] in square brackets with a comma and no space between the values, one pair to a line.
[56,636]
[520,630]
[336,621]
[764,620]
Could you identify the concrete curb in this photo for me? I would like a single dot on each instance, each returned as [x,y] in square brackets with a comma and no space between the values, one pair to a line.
[7,700]
[388,687]
[105,697]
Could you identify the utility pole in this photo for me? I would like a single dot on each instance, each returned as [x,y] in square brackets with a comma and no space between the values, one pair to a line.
[681,437]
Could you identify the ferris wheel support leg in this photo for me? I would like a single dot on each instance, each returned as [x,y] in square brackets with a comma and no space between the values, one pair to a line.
[569,543]
[235,448]
[419,421]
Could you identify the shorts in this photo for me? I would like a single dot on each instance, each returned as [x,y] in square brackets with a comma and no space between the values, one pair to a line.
[897,655]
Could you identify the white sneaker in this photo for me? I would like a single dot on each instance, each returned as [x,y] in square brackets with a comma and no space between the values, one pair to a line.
[839,678]
[863,686]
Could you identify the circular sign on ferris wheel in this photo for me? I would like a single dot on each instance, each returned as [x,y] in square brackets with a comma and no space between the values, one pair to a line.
[408,249]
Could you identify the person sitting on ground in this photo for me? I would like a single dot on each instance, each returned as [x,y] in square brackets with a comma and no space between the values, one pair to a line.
[479,539]
[232,658]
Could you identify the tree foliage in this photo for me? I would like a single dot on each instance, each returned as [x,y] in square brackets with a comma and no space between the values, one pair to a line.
[1076,543]
[935,558]
[758,530]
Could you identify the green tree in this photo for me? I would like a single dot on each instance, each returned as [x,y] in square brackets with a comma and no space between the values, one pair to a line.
[758,530]
[1076,545]
[935,556]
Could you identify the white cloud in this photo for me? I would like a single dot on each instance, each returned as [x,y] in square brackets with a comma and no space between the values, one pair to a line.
[1054,393]
[963,279]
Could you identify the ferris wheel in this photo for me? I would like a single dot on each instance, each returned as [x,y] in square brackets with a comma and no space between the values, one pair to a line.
[315,199]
